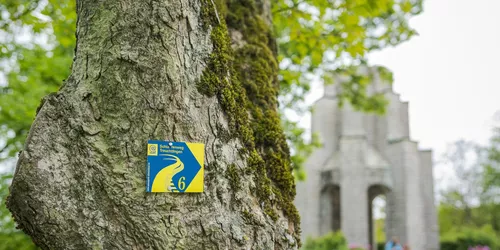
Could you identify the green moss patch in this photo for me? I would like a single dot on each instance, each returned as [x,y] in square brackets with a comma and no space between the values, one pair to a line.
[245,82]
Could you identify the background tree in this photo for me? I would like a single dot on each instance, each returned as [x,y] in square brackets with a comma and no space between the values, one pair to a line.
[491,176]
[469,212]
[490,198]
[465,189]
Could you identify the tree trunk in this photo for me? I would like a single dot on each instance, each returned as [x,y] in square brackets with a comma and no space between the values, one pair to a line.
[184,70]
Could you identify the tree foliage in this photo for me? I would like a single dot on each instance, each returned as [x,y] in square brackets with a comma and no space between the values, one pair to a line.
[453,218]
[36,48]
[35,57]
[491,174]
[469,213]
[319,38]
[464,190]
[323,36]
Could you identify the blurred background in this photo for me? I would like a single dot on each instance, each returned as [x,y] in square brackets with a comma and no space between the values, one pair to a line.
[443,55]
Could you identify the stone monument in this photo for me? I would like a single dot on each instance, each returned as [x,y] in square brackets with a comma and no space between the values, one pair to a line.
[363,156]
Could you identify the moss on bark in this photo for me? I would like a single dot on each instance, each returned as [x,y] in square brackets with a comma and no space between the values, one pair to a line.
[244,79]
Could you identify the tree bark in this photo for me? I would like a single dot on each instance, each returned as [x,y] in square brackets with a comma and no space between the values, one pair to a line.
[165,70]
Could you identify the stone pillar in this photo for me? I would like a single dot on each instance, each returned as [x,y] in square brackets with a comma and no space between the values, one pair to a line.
[354,209]
[353,189]
[396,198]
[414,203]
[430,213]
[307,200]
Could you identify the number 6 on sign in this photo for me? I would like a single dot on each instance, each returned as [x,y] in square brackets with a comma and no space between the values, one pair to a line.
[181,183]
